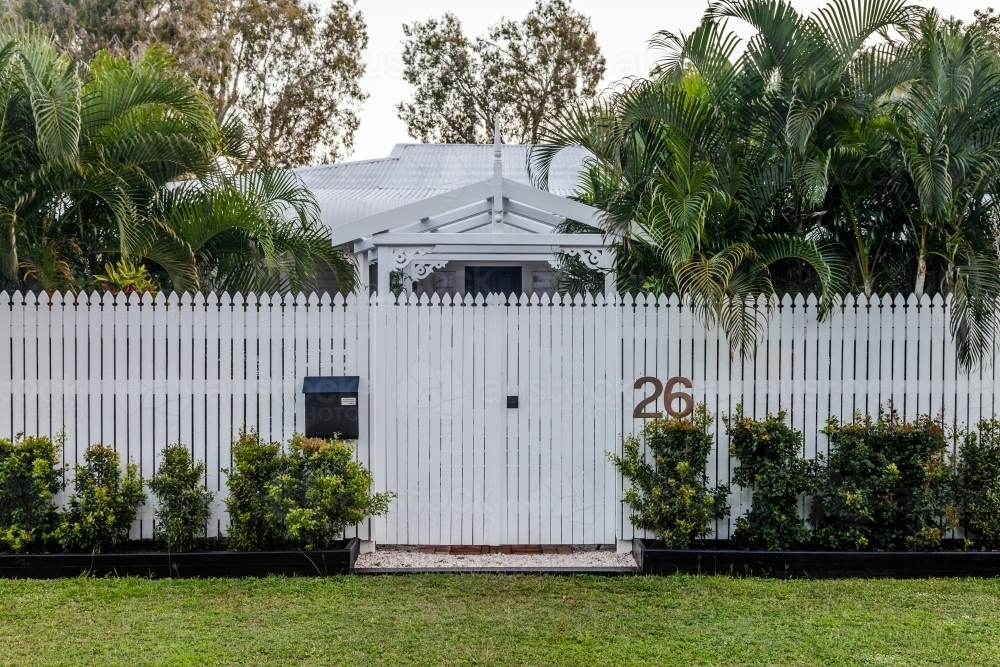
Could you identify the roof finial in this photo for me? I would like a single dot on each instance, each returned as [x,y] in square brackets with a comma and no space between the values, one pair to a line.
[496,137]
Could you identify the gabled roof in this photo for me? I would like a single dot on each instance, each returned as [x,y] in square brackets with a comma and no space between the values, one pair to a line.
[413,172]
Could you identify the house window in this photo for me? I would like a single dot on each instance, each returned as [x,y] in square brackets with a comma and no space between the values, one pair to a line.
[492,280]
[443,282]
[543,282]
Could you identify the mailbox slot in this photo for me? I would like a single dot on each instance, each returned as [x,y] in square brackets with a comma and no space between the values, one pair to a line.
[332,406]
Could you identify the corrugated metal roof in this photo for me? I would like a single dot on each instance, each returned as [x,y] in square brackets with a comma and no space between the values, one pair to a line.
[351,190]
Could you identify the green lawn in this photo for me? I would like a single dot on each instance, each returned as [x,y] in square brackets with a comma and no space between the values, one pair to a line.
[469,619]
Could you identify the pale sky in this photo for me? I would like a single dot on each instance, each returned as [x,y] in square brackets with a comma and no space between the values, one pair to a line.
[623,29]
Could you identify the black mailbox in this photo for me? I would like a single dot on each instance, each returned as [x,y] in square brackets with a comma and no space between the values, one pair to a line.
[331,406]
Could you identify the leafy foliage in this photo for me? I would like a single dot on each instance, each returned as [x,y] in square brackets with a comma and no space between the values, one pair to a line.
[850,150]
[306,496]
[30,478]
[670,493]
[978,484]
[104,502]
[91,161]
[287,66]
[322,490]
[182,510]
[522,70]
[771,463]
[887,485]
[256,464]
[125,276]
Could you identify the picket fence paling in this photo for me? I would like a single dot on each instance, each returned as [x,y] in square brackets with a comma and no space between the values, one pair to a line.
[141,372]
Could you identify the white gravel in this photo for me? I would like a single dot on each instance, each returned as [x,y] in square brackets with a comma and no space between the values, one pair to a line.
[391,556]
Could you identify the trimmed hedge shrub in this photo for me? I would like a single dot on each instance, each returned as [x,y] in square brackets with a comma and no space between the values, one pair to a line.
[30,478]
[305,497]
[183,506]
[670,493]
[887,485]
[256,464]
[978,485]
[104,503]
[771,463]
[321,491]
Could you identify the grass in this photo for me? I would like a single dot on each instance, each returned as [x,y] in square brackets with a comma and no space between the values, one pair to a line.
[500,620]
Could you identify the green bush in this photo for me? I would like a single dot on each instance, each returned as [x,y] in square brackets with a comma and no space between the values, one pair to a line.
[256,464]
[183,501]
[104,503]
[30,478]
[321,491]
[887,485]
[771,464]
[669,493]
[978,484]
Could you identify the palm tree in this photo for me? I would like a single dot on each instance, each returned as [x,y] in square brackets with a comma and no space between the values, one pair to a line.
[945,132]
[90,162]
[716,168]
[255,231]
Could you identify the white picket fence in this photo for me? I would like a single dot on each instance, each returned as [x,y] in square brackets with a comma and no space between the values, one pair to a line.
[141,373]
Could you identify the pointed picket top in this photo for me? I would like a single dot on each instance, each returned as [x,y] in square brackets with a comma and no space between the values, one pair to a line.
[937,301]
[911,300]
[446,299]
[5,300]
[337,300]
[588,300]
[106,299]
[373,299]
[478,300]
[423,299]
[533,300]
[812,301]
[265,300]
[132,299]
[899,300]
[674,301]
[925,300]
[628,300]
[312,300]
[435,300]
[849,301]
[661,300]
[577,299]
[786,300]
[199,300]
[799,300]
[545,300]
[599,300]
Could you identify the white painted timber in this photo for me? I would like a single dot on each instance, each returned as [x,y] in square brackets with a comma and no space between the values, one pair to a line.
[139,373]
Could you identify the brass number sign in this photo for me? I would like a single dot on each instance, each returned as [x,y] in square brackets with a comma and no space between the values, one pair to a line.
[670,394]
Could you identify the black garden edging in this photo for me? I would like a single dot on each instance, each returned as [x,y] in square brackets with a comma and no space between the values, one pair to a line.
[817,564]
[315,563]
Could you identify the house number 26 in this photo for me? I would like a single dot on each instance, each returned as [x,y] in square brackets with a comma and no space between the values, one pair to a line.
[670,394]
